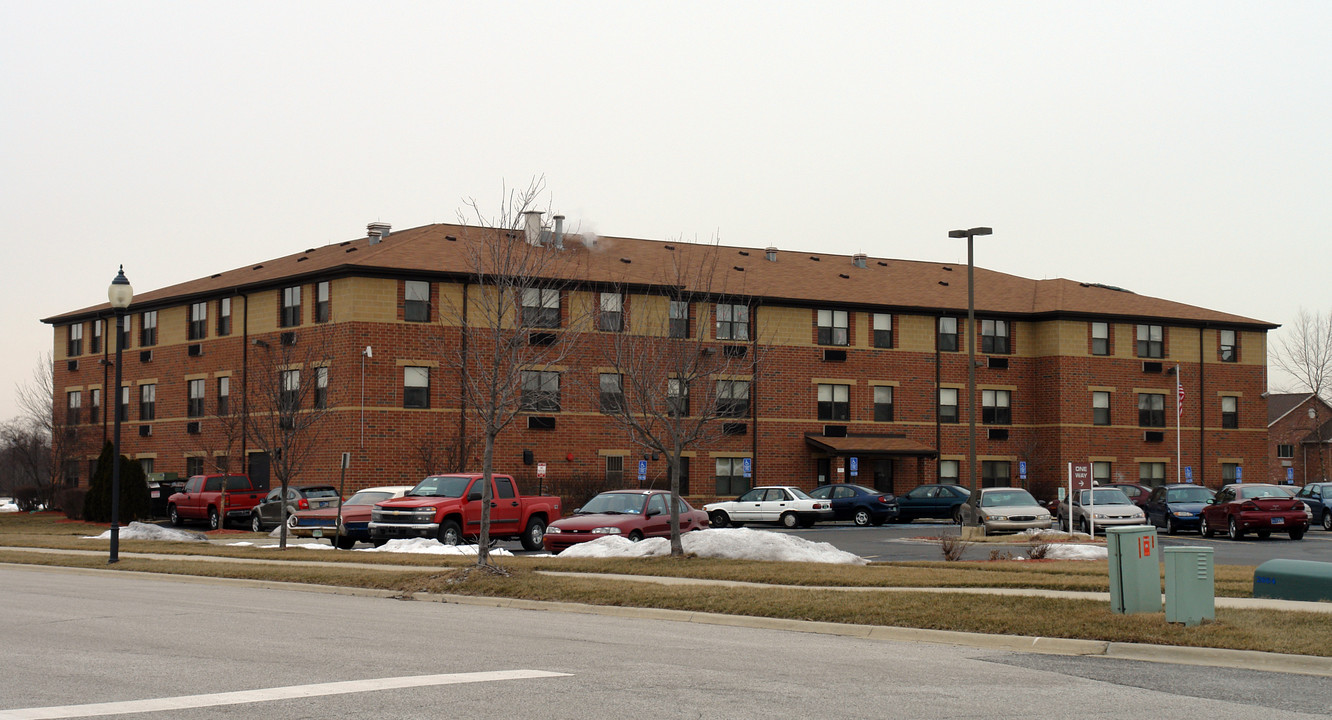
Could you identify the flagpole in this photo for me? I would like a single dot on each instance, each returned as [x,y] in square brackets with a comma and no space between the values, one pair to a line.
[1179,412]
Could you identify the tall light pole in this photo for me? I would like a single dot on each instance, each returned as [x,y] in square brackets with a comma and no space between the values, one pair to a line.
[969,335]
[120,294]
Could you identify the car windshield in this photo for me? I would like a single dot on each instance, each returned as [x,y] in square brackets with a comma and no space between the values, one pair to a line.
[449,486]
[238,482]
[1106,496]
[321,492]
[1261,491]
[1188,495]
[614,504]
[1006,498]
[799,493]
[367,497]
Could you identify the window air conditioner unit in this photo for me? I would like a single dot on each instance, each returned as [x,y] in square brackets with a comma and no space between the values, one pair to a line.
[1153,436]
[541,338]
[288,338]
[145,430]
[998,433]
[540,422]
[998,363]
[834,431]
[735,428]
[834,356]
[734,351]
[1151,367]
[145,356]
[196,350]
[73,365]
[192,428]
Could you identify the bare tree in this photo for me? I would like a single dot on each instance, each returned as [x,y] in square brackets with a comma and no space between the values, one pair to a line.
[1305,354]
[289,398]
[223,432]
[25,456]
[515,325]
[47,417]
[673,387]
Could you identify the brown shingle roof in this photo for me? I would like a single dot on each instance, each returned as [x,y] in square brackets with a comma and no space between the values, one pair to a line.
[797,277]
[869,445]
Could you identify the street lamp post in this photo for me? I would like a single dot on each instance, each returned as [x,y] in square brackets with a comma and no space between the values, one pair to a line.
[120,294]
[971,346]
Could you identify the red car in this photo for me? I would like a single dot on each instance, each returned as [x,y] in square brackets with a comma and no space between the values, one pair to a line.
[1257,507]
[1137,494]
[322,523]
[634,514]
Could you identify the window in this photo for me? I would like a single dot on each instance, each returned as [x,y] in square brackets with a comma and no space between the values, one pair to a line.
[1285,451]
[1101,472]
[321,387]
[612,392]
[832,327]
[1229,350]
[834,402]
[1151,410]
[733,398]
[1229,472]
[290,398]
[416,387]
[147,464]
[148,328]
[123,410]
[124,339]
[612,312]
[614,470]
[1151,474]
[321,302]
[541,307]
[224,316]
[1100,338]
[679,319]
[198,329]
[291,306]
[994,473]
[504,488]
[194,466]
[95,412]
[732,322]
[223,395]
[731,480]
[883,330]
[948,470]
[1151,343]
[948,334]
[947,405]
[75,339]
[994,336]
[677,397]
[996,407]
[73,407]
[195,407]
[883,403]
[147,402]
[1100,408]
[1229,411]
[541,391]
[416,301]
[71,474]
[96,344]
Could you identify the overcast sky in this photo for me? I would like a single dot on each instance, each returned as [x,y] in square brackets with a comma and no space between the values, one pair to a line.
[1180,150]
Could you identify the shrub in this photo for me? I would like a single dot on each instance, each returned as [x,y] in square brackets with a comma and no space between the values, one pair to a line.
[953,546]
[30,498]
[1039,551]
[134,503]
[70,502]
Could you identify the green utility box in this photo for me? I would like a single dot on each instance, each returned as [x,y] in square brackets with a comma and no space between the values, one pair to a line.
[1190,585]
[1135,571]
[1293,580]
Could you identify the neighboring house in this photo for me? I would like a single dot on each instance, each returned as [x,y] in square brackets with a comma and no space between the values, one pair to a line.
[863,377]
[1299,429]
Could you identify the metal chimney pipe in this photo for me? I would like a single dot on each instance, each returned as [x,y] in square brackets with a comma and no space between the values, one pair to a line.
[559,232]
[532,226]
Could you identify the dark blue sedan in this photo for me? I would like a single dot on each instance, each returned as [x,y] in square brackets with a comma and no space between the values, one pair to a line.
[1318,496]
[1177,507]
[859,504]
[932,501]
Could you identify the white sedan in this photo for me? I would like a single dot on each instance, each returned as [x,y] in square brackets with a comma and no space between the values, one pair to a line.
[784,504]
[1106,506]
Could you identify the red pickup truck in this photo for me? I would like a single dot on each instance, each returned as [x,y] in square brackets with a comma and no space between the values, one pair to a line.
[448,508]
[214,498]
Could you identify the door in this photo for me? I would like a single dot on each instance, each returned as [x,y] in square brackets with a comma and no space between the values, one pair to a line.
[258,470]
[506,512]
[657,518]
[747,505]
[883,475]
[775,502]
[270,509]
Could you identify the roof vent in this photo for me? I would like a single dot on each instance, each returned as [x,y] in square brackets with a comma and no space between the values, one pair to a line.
[532,227]
[770,253]
[558,240]
[859,259]
[377,231]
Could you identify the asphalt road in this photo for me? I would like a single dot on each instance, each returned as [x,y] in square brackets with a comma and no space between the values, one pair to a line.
[170,648]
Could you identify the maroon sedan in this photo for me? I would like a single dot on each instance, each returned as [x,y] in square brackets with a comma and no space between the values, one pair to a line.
[633,514]
[1258,508]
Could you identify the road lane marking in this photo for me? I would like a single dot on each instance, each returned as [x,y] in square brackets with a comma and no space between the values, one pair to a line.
[291,692]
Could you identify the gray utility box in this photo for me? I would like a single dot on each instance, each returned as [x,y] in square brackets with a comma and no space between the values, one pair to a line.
[1190,585]
[1293,580]
[1135,570]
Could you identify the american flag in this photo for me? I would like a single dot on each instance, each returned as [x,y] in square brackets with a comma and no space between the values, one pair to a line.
[1179,390]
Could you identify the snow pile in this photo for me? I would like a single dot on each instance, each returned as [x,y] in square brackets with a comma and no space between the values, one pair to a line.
[1076,552]
[145,531]
[430,546]
[732,543]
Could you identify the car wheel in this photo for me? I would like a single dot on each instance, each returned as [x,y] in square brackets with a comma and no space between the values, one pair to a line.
[957,516]
[1296,534]
[1171,527]
[342,542]
[256,524]
[1085,526]
[450,533]
[862,517]
[1235,533]
[789,520]
[534,535]
[719,519]
[214,520]
[174,515]
[635,536]
[1327,519]
[1204,528]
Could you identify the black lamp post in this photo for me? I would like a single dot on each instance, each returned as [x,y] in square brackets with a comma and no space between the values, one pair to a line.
[120,294]
[971,346]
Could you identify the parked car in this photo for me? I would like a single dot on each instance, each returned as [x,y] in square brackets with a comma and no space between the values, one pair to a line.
[268,513]
[1137,494]
[857,503]
[1257,507]
[1177,507]
[217,498]
[784,504]
[1318,497]
[632,514]
[450,508]
[932,501]
[323,522]
[1099,508]
[1006,509]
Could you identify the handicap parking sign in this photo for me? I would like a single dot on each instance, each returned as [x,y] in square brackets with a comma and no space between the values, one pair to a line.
[747,464]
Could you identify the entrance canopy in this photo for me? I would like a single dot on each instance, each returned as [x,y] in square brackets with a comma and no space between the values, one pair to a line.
[853,445]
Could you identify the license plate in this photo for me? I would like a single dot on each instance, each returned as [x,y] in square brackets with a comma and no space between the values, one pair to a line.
[318,533]
[323,504]
[1278,521]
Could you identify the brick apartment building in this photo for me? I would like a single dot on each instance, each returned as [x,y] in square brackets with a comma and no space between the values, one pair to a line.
[861,376]
[1299,428]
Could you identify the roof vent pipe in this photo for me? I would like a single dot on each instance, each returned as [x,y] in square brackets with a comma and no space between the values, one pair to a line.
[859,260]
[559,232]
[377,231]
[770,253]
[532,226]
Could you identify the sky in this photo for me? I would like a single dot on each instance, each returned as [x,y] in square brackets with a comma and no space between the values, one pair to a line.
[1179,150]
